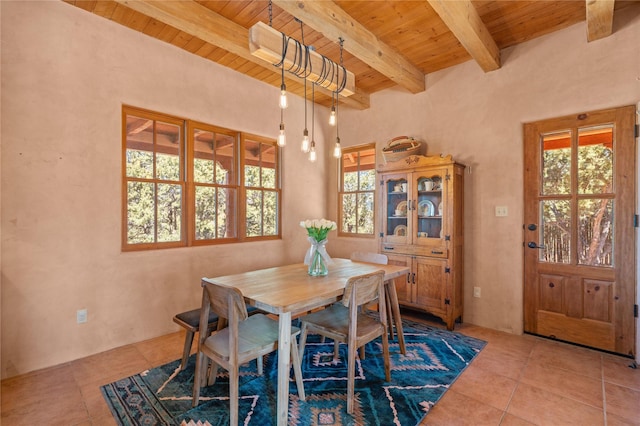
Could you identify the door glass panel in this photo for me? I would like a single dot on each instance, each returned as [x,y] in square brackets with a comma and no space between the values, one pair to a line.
[429,207]
[595,160]
[595,237]
[555,231]
[556,163]
[397,207]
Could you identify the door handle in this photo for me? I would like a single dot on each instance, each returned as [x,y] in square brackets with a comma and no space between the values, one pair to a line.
[533,245]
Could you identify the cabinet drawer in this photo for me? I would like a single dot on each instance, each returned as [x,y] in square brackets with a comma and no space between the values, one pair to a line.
[436,251]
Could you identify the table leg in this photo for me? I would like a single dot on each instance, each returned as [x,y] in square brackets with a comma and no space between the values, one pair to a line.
[284,367]
[393,298]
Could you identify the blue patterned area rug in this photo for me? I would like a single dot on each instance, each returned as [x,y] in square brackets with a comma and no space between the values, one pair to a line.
[434,360]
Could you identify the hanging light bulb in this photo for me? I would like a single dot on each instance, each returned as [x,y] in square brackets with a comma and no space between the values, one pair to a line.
[283,96]
[312,152]
[337,150]
[305,141]
[332,116]
[282,138]
[305,134]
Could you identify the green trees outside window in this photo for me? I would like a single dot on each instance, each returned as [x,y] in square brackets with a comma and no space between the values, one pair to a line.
[357,191]
[181,184]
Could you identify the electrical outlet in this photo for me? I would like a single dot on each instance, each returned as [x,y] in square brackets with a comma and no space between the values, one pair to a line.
[81,316]
[476,292]
[502,211]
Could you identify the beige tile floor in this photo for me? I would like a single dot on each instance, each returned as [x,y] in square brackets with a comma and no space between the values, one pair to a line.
[515,380]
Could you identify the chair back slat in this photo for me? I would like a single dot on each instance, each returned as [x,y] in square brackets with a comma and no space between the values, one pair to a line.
[363,289]
[225,301]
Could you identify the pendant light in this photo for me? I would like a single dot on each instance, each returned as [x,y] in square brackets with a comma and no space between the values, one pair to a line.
[337,149]
[312,148]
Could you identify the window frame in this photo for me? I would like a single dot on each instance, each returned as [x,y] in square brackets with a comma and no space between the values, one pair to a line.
[192,126]
[341,192]
[188,184]
[244,137]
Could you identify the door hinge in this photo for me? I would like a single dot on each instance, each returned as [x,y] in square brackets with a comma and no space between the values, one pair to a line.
[381,235]
[635,220]
[635,311]
[447,301]
[447,176]
[447,270]
[447,237]
[381,182]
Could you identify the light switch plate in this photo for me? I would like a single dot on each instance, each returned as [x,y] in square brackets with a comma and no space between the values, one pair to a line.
[81,316]
[502,211]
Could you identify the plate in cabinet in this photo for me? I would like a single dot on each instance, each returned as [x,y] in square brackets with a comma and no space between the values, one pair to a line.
[426,208]
[400,231]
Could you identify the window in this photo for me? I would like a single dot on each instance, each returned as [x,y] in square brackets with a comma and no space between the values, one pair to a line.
[357,191]
[260,159]
[181,183]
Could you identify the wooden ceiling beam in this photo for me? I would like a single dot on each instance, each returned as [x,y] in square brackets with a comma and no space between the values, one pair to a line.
[599,19]
[463,20]
[199,21]
[333,22]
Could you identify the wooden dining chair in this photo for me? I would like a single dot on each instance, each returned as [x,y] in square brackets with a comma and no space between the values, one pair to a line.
[190,321]
[381,259]
[344,322]
[244,339]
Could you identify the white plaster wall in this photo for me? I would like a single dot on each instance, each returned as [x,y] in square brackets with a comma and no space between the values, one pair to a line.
[65,75]
[477,117]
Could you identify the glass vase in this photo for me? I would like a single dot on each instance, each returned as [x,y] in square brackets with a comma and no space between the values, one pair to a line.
[317,264]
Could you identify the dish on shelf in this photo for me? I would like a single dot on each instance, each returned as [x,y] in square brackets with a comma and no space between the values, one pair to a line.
[402,207]
[400,231]
[426,208]
[440,209]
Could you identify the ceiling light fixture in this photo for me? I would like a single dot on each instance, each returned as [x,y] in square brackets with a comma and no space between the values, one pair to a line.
[337,149]
[300,60]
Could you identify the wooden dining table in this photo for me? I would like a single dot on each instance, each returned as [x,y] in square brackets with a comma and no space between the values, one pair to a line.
[286,290]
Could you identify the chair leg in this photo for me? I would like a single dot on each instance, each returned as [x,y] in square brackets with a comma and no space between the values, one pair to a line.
[297,369]
[233,395]
[303,340]
[196,379]
[385,352]
[387,300]
[336,349]
[188,341]
[260,362]
[213,373]
[351,376]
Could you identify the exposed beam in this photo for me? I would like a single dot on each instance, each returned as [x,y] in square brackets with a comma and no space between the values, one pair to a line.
[463,20]
[199,21]
[599,19]
[333,22]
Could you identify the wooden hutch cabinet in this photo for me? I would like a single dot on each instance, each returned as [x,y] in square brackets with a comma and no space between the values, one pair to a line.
[421,206]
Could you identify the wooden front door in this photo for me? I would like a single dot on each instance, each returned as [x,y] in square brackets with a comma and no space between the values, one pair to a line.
[579,236]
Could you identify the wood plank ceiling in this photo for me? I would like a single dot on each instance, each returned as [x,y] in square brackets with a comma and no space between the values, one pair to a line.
[387,43]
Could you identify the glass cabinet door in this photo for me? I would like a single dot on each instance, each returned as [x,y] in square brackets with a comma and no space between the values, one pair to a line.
[429,207]
[396,223]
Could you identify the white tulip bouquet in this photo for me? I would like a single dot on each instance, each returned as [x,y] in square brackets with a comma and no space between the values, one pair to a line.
[317,257]
[318,229]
